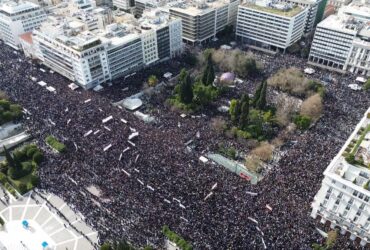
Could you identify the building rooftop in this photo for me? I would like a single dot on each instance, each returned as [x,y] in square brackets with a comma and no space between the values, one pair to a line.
[342,23]
[352,164]
[12,7]
[280,9]
[27,37]
[195,8]
[74,33]
[357,10]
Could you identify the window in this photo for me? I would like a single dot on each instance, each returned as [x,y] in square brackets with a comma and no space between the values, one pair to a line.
[355,193]
[361,196]
[348,207]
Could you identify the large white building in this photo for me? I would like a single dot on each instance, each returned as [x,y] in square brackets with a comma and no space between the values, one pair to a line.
[344,197]
[312,6]
[270,25]
[91,57]
[124,4]
[202,20]
[18,17]
[342,42]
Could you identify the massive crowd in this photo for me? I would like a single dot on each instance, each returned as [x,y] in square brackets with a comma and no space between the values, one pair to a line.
[153,181]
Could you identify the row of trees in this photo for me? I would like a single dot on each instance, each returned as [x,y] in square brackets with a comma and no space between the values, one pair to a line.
[243,64]
[120,245]
[189,95]
[248,114]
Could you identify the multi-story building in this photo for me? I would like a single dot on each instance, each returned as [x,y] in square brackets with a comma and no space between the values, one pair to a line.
[342,42]
[124,4]
[202,20]
[91,57]
[273,26]
[338,3]
[344,197]
[312,6]
[18,17]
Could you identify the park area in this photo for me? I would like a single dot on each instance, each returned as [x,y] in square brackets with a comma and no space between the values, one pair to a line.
[249,114]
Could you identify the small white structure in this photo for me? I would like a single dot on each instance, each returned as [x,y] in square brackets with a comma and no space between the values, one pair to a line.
[42,83]
[309,71]
[361,79]
[167,75]
[132,103]
[73,86]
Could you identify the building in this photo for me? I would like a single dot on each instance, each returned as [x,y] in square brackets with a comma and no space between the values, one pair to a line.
[342,42]
[17,18]
[269,25]
[344,197]
[202,20]
[124,4]
[338,3]
[91,57]
[312,6]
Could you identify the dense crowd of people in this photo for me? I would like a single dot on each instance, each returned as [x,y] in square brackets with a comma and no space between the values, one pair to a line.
[152,181]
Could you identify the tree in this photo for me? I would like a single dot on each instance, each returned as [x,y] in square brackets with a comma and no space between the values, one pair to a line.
[182,76]
[234,110]
[261,102]
[106,246]
[257,94]
[312,107]
[243,120]
[186,90]
[9,158]
[208,73]
[204,94]
[367,85]
[152,80]
[303,122]
[331,239]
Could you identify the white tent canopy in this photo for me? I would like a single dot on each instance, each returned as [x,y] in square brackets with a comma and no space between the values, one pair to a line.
[354,86]
[98,88]
[42,83]
[309,71]
[132,103]
[361,79]
[73,86]
[167,75]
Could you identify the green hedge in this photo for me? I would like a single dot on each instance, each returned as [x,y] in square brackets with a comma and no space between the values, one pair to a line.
[179,241]
[54,143]
[2,222]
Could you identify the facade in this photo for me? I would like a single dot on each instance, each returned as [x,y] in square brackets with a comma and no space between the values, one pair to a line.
[271,26]
[123,4]
[202,20]
[342,42]
[17,18]
[312,6]
[339,3]
[91,57]
[344,197]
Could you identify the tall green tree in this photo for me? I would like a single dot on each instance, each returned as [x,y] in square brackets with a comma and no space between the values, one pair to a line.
[9,158]
[257,94]
[244,112]
[234,110]
[261,102]
[209,72]
[186,90]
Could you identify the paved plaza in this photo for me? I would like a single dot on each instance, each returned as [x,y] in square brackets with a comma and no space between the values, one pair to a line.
[62,230]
